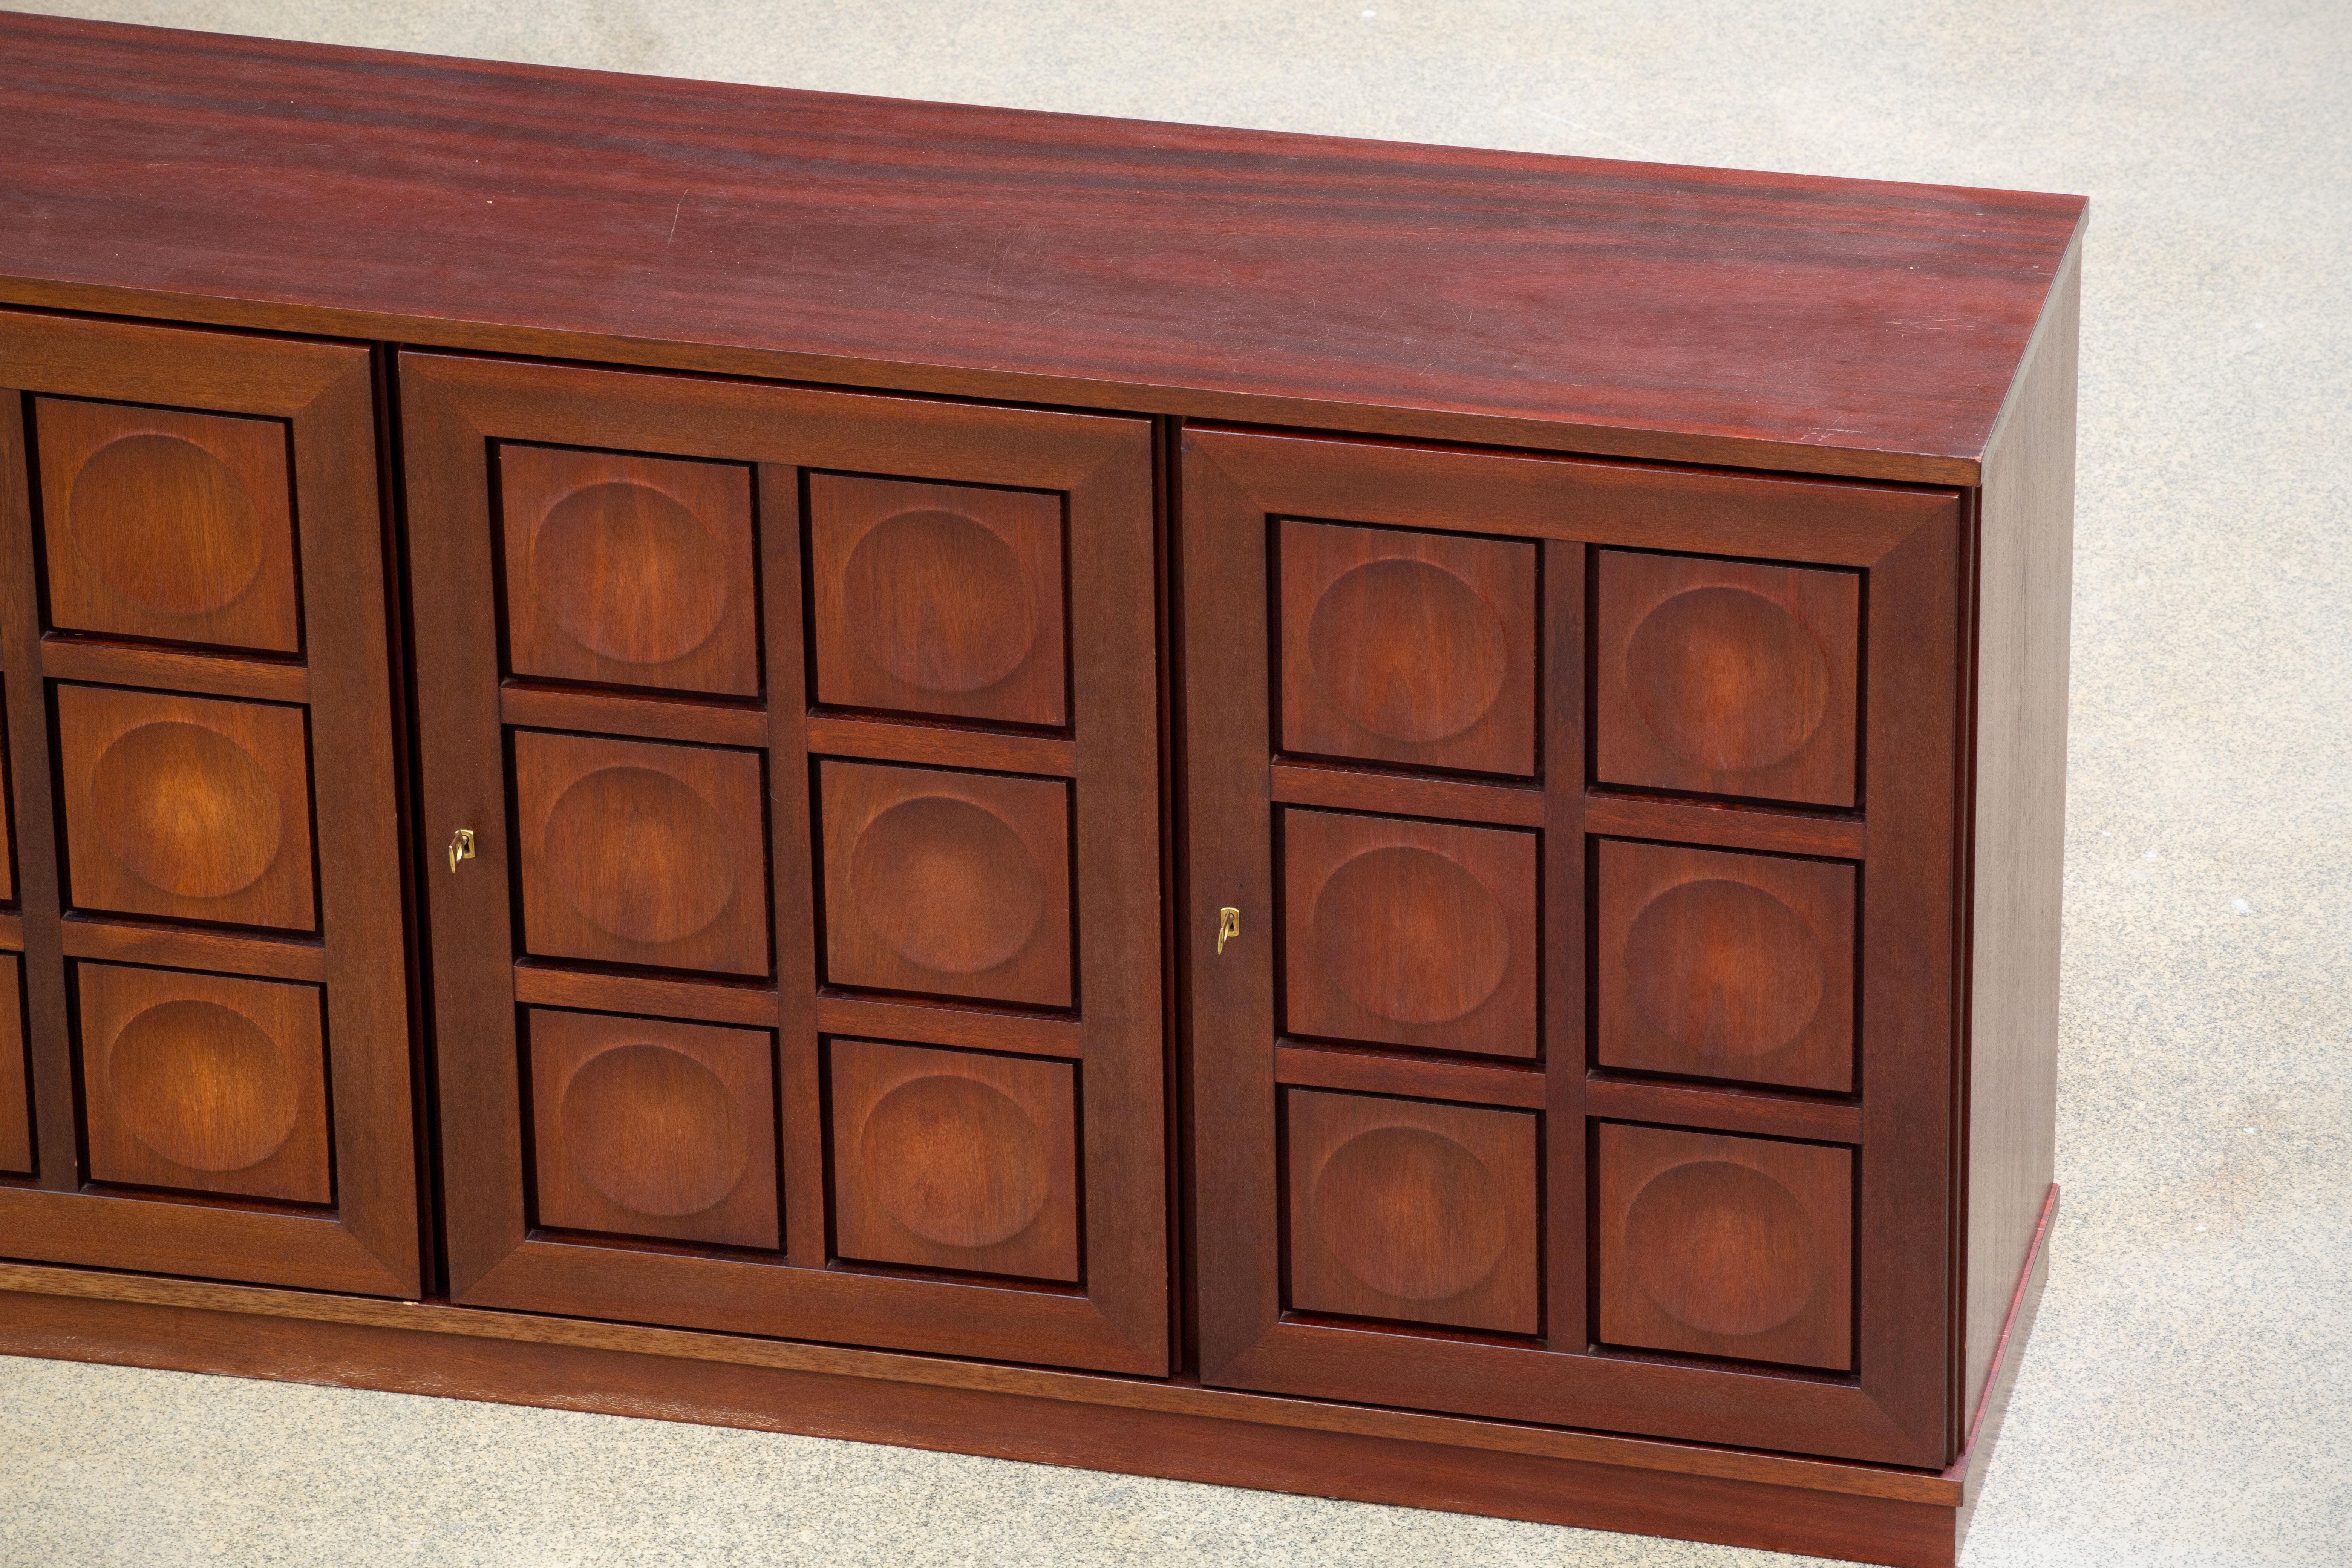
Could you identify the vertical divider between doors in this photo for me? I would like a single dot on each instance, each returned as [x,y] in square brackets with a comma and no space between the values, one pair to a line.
[1561,674]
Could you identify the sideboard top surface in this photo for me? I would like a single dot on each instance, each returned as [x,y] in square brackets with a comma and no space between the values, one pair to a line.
[1777,321]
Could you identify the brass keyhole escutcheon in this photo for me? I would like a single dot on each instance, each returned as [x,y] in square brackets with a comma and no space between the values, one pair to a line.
[461,847]
[1229,926]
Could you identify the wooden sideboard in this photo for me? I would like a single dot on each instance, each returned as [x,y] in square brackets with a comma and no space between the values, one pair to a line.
[1367,819]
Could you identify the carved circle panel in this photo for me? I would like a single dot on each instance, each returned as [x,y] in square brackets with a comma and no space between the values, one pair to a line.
[1725,1246]
[630,571]
[947,885]
[1723,967]
[1408,647]
[955,1160]
[1411,1213]
[1411,1210]
[186,807]
[1373,639]
[655,1129]
[648,855]
[168,525]
[202,1086]
[185,810]
[202,1082]
[1409,933]
[640,853]
[1720,965]
[955,884]
[937,598]
[1728,677]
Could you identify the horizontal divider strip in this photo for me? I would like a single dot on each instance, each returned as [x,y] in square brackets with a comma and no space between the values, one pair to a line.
[917,1022]
[1366,1073]
[704,1001]
[173,948]
[884,741]
[1344,789]
[653,718]
[211,674]
[1727,826]
[1724,1110]
[12,931]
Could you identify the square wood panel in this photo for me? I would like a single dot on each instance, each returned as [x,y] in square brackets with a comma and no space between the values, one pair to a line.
[634,852]
[1723,965]
[954,1160]
[1407,1209]
[933,598]
[949,883]
[168,525]
[203,1082]
[1725,1246]
[1411,648]
[186,807]
[654,1129]
[1728,679]
[16,1081]
[1410,934]
[628,570]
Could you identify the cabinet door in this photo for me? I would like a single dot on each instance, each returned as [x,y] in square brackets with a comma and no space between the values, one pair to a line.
[1582,1054]
[206,963]
[804,976]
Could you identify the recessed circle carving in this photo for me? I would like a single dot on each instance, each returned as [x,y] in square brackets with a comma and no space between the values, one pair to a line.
[185,809]
[947,885]
[1409,650]
[640,854]
[1728,679]
[166,525]
[939,600]
[956,1161]
[628,571]
[654,1130]
[1412,935]
[1712,1244]
[1411,1213]
[1723,967]
[203,1086]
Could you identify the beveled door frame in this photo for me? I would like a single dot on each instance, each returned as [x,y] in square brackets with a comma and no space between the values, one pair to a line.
[1907,541]
[454,409]
[369,1241]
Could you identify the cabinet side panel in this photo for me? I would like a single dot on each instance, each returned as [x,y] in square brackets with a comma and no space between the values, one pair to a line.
[2026,595]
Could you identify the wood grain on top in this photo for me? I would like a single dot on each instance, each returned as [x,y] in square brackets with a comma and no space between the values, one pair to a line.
[1767,319]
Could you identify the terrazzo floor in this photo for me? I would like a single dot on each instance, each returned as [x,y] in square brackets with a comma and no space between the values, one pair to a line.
[2186,1398]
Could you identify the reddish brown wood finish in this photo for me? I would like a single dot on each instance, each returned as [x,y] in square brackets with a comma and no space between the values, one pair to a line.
[955,884]
[193,809]
[630,571]
[1402,1209]
[1731,1246]
[1238,486]
[16,1083]
[189,808]
[654,1129]
[1728,966]
[642,854]
[1410,934]
[165,524]
[1771,320]
[954,1160]
[1728,678]
[800,818]
[940,599]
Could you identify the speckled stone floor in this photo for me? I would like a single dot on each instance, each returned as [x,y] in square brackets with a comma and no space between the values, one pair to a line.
[2187,1395]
